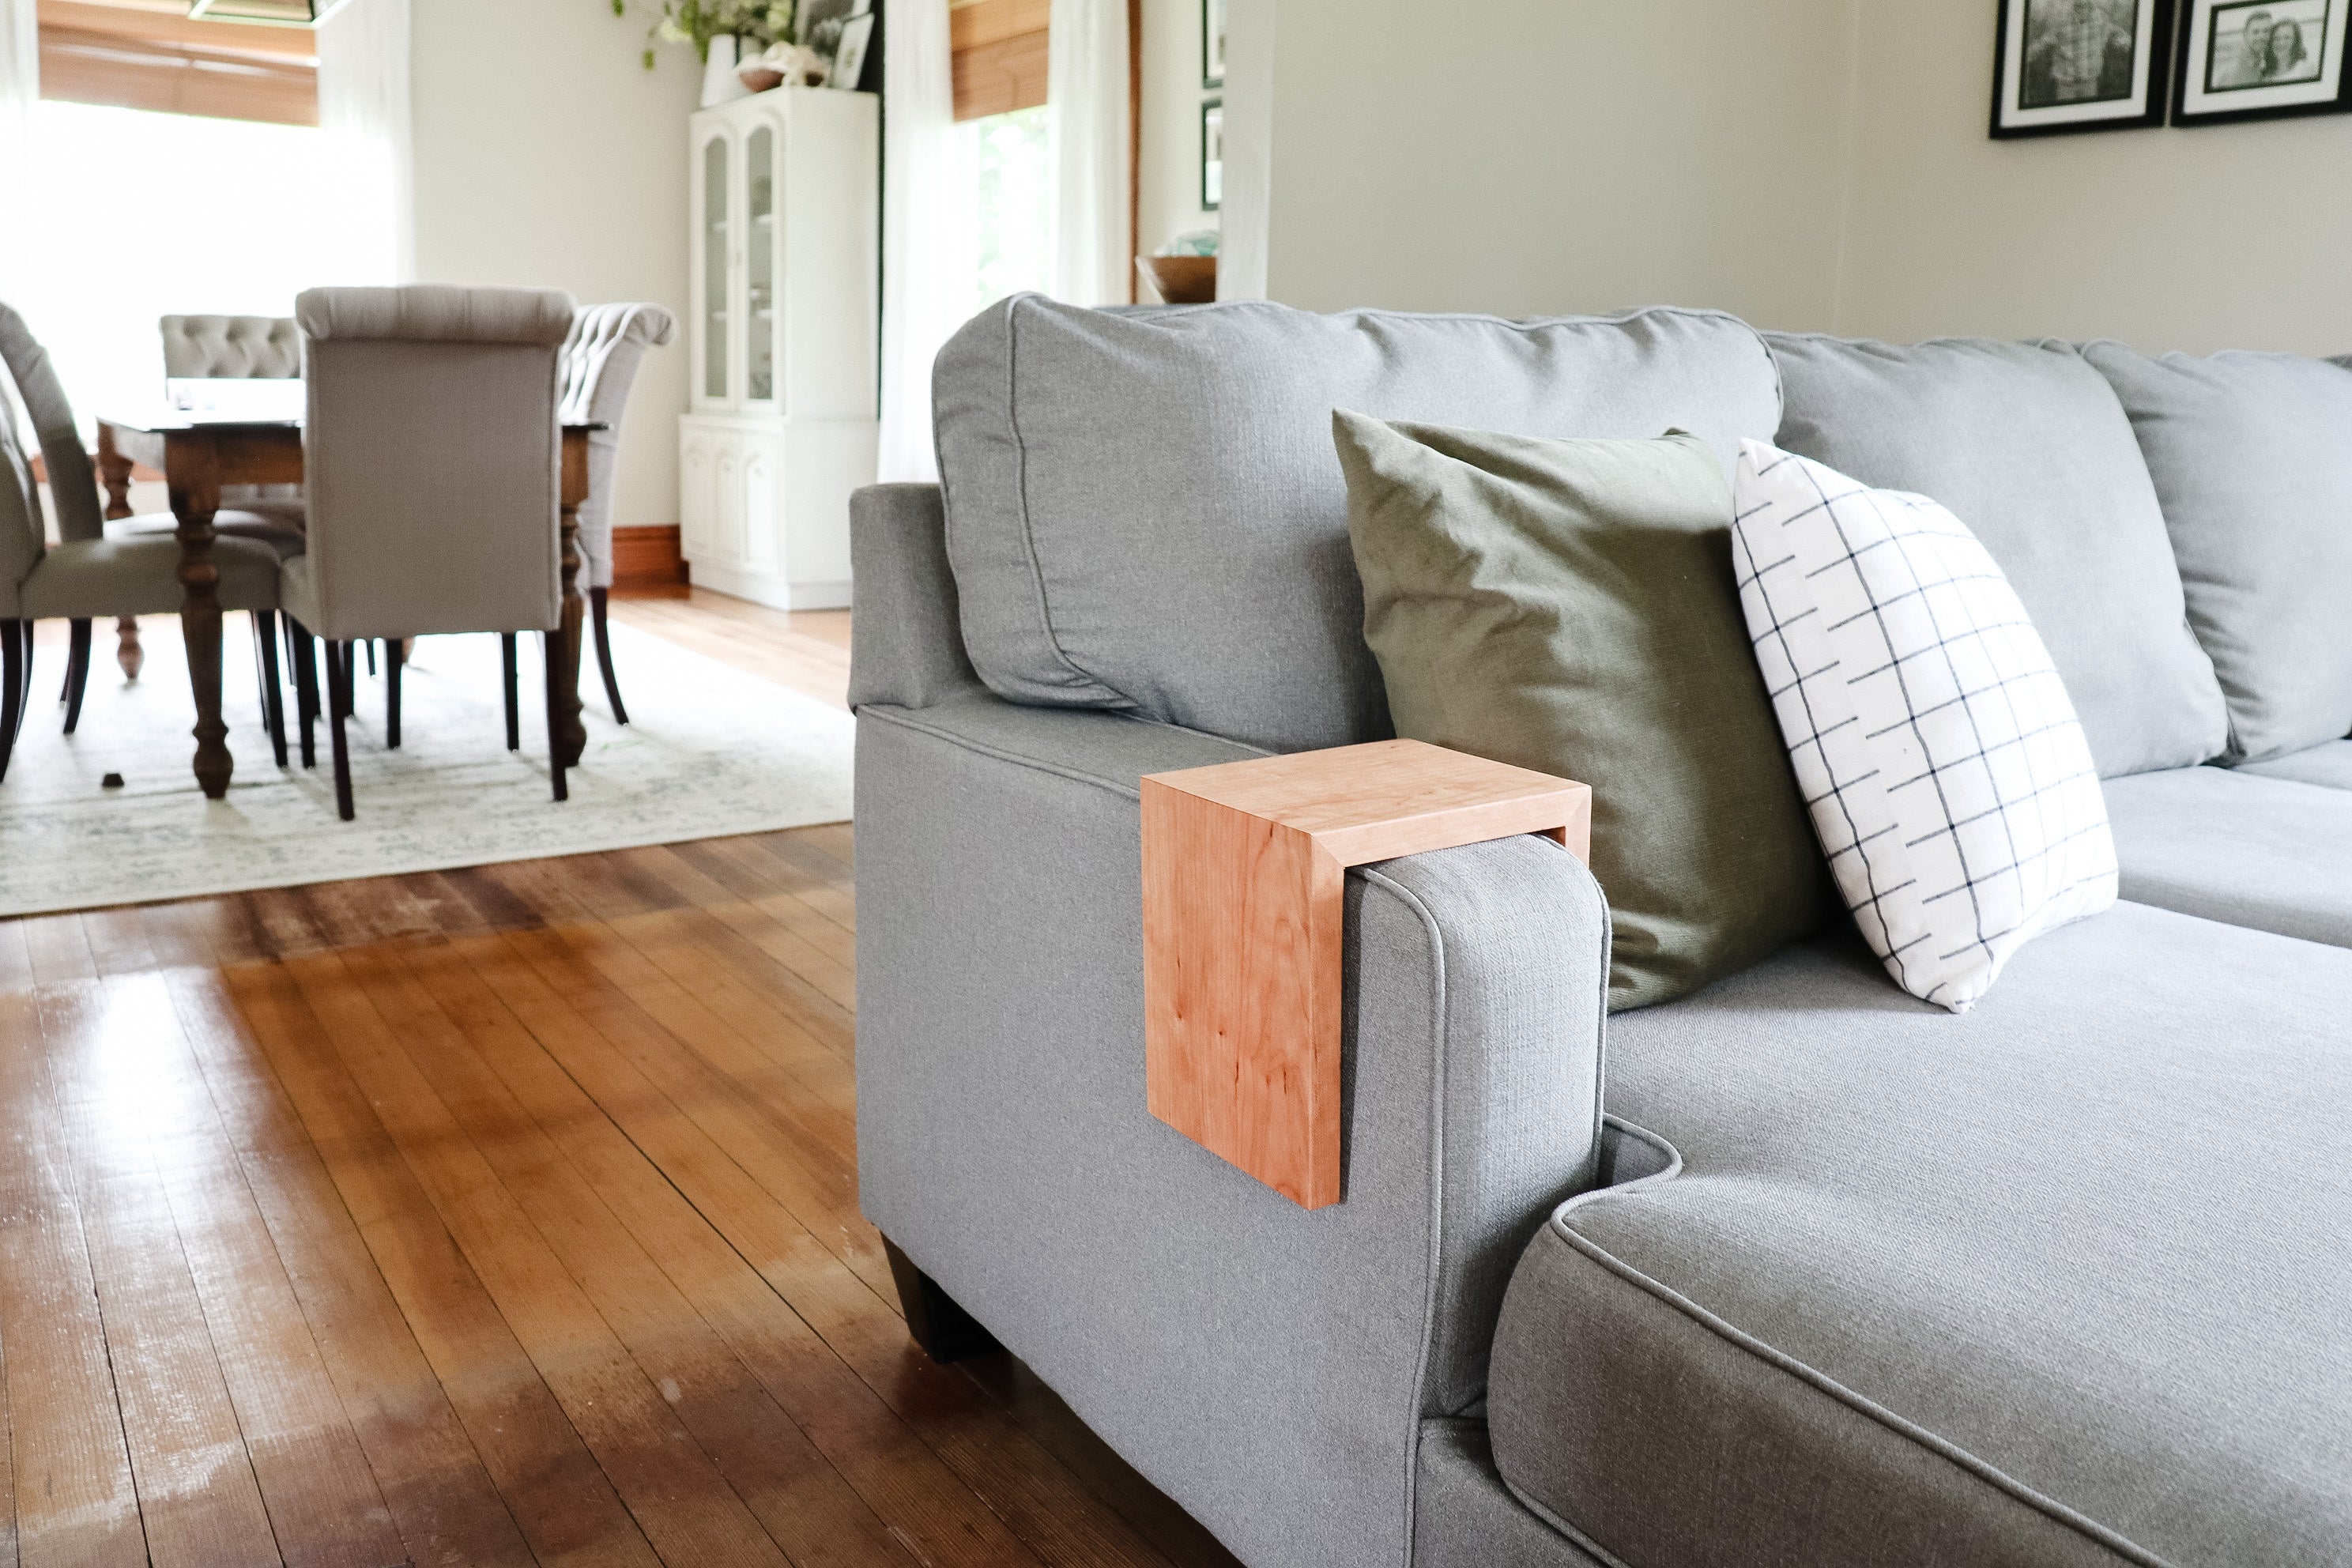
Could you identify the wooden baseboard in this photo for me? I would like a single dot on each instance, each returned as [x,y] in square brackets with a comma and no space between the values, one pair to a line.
[648,558]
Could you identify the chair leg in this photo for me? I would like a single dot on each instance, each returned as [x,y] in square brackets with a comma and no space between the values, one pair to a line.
[12,687]
[24,685]
[338,709]
[273,700]
[514,692]
[76,673]
[552,643]
[65,692]
[395,659]
[599,612]
[371,650]
[306,687]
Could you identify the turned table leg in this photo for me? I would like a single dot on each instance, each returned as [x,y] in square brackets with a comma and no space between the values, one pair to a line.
[114,471]
[194,469]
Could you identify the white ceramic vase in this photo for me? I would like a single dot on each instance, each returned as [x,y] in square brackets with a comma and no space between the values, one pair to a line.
[719,83]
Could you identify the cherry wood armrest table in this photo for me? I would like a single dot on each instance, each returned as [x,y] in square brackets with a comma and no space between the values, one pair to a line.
[1244,871]
[196,456]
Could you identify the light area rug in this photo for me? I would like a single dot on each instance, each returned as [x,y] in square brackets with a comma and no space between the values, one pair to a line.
[711,750]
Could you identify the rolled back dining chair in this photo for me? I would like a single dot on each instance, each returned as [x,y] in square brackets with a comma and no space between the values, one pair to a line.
[601,357]
[88,572]
[433,461]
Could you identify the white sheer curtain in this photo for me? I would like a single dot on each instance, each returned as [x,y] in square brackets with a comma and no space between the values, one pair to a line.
[20,86]
[930,252]
[1086,79]
[364,106]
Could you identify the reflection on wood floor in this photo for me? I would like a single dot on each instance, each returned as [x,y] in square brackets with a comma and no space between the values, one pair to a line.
[487,1216]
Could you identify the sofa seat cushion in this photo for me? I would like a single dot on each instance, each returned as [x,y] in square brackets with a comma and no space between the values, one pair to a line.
[1145,512]
[2062,1280]
[2329,765]
[2240,846]
[2028,445]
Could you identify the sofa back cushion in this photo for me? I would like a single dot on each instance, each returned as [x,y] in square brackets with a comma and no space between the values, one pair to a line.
[2252,455]
[1145,512]
[2029,447]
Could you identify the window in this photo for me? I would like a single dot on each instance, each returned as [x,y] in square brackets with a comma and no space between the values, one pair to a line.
[128,56]
[999,55]
[1013,160]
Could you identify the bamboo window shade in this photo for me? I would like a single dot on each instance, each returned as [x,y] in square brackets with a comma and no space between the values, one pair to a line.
[999,55]
[141,54]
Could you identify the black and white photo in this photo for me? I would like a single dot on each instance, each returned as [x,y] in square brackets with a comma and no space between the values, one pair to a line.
[850,54]
[2258,59]
[2081,65]
[1213,43]
[820,23]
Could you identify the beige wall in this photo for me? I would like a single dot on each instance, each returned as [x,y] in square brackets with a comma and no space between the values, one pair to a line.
[547,155]
[1169,192]
[2225,236]
[1533,156]
[1809,163]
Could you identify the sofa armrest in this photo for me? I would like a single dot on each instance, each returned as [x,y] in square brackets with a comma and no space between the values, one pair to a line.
[906,646]
[1267,1366]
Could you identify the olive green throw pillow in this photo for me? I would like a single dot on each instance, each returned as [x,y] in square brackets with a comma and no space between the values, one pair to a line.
[1570,607]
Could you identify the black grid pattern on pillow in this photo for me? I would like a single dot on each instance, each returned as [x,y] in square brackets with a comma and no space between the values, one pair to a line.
[1936,745]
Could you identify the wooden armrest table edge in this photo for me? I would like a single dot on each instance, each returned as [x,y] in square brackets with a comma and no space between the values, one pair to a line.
[1244,870]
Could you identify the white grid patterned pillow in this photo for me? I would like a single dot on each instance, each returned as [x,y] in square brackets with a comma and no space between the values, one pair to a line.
[1935,744]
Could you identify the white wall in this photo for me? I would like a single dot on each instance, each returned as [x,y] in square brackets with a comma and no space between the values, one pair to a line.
[1808,163]
[1535,156]
[2231,236]
[1168,193]
[547,155]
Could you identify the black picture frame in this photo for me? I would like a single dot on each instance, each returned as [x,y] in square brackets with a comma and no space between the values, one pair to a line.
[1213,45]
[2147,109]
[1213,153]
[2202,17]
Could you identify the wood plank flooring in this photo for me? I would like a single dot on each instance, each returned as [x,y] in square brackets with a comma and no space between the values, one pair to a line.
[494,1216]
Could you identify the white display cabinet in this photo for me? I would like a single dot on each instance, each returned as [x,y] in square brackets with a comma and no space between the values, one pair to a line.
[783,338]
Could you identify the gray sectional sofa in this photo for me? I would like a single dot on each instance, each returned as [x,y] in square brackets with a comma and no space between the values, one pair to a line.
[1796,1271]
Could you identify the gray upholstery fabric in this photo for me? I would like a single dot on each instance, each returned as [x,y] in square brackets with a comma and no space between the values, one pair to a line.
[2060,1280]
[279,523]
[601,356]
[1145,512]
[2234,845]
[2329,765]
[94,578]
[435,313]
[433,460]
[1004,1144]
[266,348]
[23,528]
[1464,1517]
[2252,455]
[907,649]
[73,483]
[2027,444]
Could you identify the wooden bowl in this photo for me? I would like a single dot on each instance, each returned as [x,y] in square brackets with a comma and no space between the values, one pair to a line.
[759,78]
[1181,280]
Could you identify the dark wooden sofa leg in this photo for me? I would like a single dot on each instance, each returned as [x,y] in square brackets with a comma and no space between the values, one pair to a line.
[945,1331]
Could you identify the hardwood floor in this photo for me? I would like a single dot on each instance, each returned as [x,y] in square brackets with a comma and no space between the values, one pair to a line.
[493,1216]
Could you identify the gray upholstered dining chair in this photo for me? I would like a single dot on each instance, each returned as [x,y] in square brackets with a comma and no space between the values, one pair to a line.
[89,573]
[601,357]
[433,460]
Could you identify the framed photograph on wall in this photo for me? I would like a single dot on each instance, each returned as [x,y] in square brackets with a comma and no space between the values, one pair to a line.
[1213,43]
[1213,153]
[2064,66]
[2260,60]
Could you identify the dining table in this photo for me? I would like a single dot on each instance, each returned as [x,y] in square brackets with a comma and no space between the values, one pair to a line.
[198,455]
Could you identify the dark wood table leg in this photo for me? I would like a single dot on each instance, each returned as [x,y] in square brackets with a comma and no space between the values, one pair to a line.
[114,471]
[194,467]
[570,731]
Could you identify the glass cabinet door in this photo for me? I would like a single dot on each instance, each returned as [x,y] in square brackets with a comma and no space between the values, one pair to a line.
[759,240]
[715,258]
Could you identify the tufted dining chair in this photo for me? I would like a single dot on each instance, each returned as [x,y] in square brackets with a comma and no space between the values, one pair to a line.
[88,572]
[601,357]
[433,463]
